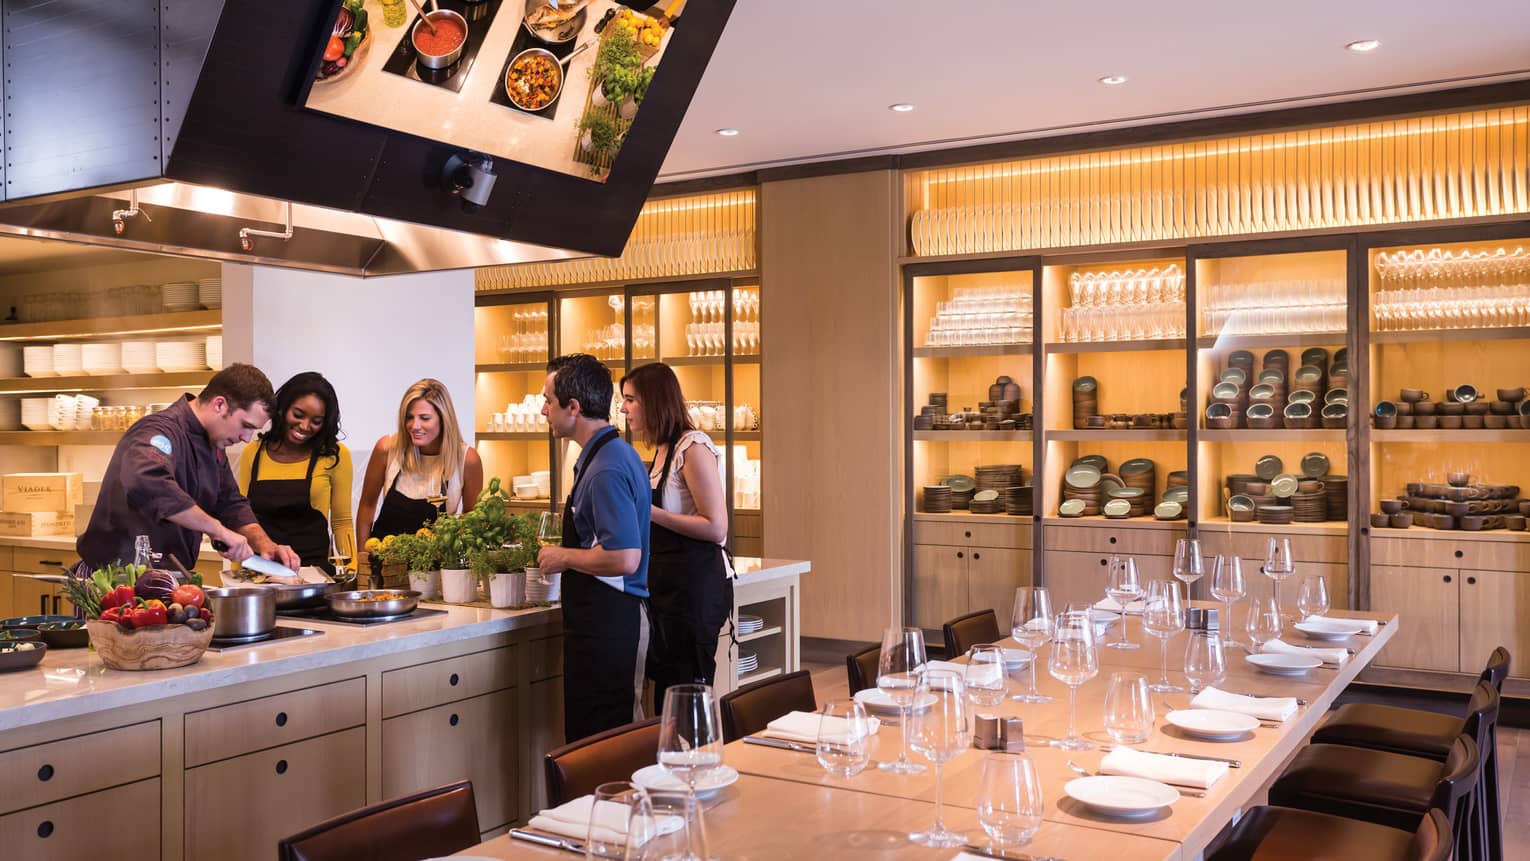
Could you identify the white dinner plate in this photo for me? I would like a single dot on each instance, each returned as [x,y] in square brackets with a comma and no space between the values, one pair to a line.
[656,777]
[1018,659]
[1284,665]
[1329,629]
[1121,796]
[877,702]
[1212,724]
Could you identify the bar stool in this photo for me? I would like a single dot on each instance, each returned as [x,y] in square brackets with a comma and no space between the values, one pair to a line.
[747,710]
[862,668]
[975,628]
[427,824]
[1424,733]
[575,769]
[1284,834]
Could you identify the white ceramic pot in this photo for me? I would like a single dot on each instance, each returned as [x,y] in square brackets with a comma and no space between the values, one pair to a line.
[598,97]
[427,583]
[586,142]
[458,586]
[507,589]
[627,109]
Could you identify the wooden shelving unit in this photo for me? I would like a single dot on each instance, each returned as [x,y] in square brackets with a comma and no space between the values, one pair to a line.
[1272,435]
[1451,436]
[1115,346]
[707,361]
[95,383]
[973,436]
[52,437]
[1108,435]
[528,436]
[147,324]
[1429,336]
[974,350]
[511,367]
[1258,342]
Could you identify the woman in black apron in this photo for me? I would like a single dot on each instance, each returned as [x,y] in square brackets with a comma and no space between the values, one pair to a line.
[689,585]
[429,449]
[304,435]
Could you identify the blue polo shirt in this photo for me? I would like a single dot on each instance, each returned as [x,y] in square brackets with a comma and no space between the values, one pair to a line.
[611,505]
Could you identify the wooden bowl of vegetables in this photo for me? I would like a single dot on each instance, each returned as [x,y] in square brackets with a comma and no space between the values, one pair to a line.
[142,619]
[161,647]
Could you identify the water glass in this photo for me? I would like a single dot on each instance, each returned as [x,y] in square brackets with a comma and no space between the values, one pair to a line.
[899,671]
[1010,802]
[1163,616]
[1123,586]
[1074,660]
[1263,621]
[1031,626]
[611,819]
[844,732]
[984,675]
[1228,586]
[1312,598]
[1205,662]
[649,840]
[939,734]
[690,733]
[1188,566]
[1129,708]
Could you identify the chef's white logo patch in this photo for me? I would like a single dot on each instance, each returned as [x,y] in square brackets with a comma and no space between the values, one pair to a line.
[161,442]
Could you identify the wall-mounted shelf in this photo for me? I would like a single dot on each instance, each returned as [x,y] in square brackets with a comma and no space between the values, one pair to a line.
[1446,436]
[1148,522]
[535,436]
[24,385]
[1233,342]
[970,517]
[1272,435]
[519,367]
[1422,336]
[1222,524]
[760,634]
[975,350]
[702,361]
[738,436]
[973,436]
[1107,435]
[146,324]
[52,437]
[1115,346]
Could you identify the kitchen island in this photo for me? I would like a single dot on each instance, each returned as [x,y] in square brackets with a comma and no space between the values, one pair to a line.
[224,757]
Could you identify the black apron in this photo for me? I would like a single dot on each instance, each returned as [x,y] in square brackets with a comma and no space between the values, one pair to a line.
[403,515]
[605,633]
[691,598]
[284,509]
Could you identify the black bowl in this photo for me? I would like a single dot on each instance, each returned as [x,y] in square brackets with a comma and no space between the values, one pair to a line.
[32,621]
[65,635]
[13,657]
[19,635]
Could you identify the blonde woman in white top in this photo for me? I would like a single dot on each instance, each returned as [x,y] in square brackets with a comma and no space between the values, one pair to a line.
[426,467]
[690,583]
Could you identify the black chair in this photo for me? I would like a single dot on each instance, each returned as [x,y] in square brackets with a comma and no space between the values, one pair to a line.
[575,769]
[747,710]
[862,668]
[973,629]
[427,824]
[1284,834]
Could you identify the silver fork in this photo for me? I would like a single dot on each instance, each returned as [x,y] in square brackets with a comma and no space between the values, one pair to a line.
[1084,772]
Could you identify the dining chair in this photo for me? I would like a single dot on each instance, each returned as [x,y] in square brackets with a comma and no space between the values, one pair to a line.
[426,824]
[973,629]
[576,768]
[1286,834]
[747,710]
[1417,732]
[862,668]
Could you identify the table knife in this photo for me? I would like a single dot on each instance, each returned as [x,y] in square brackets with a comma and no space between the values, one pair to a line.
[781,743]
[1231,763]
[984,851]
[547,840]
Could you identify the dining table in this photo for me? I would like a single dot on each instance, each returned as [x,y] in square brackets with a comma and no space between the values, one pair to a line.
[786,805]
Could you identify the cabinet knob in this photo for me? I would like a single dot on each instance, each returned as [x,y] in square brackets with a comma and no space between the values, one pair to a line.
[452,720]
[281,718]
[959,554]
[967,534]
[1471,581]
[1447,578]
[281,766]
[1104,562]
[45,773]
[1460,554]
[45,829]
[1112,539]
[977,555]
[453,680]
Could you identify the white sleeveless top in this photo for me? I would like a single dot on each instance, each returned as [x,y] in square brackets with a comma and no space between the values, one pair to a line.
[423,485]
[677,497]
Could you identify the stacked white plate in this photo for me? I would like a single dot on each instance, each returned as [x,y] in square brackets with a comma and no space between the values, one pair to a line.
[180,296]
[68,359]
[210,293]
[177,356]
[748,662]
[749,624]
[37,361]
[138,357]
[35,413]
[215,352]
[61,412]
[99,359]
[536,590]
[10,361]
[10,414]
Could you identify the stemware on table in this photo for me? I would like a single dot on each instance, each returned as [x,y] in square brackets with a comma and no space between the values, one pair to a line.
[1163,616]
[1205,661]
[1010,802]
[1031,626]
[1312,597]
[648,841]
[1123,586]
[939,733]
[1129,711]
[1188,564]
[899,671]
[1229,587]
[1278,563]
[1074,660]
[984,675]
[1263,621]
[844,734]
[690,733]
[602,839]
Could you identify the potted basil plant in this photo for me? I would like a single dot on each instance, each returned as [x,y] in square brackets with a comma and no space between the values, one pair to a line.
[454,545]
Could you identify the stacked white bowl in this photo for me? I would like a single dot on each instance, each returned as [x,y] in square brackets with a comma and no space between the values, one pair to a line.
[543,479]
[99,359]
[138,357]
[179,296]
[84,408]
[215,352]
[525,487]
[177,356]
[37,361]
[68,358]
[210,293]
[61,412]
[36,413]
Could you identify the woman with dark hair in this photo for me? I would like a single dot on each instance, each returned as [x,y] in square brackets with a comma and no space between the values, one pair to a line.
[689,579]
[297,476]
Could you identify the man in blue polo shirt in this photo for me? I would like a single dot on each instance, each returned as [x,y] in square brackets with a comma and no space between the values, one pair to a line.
[604,555]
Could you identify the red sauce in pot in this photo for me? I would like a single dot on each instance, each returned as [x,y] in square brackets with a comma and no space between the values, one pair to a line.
[449,36]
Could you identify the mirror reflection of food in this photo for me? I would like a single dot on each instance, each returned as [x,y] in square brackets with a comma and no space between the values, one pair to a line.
[533,81]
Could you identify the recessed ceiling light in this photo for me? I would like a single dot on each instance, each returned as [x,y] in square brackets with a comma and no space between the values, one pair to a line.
[1112,80]
[728,133]
[1363,45]
[901,107]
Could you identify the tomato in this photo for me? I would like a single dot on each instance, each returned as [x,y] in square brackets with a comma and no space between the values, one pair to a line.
[335,49]
[188,595]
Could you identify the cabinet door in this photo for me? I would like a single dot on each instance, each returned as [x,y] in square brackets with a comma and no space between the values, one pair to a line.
[940,584]
[1074,576]
[74,829]
[1493,606]
[30,597]
[239,808]
[993,574]
[473,738]
[1427,603]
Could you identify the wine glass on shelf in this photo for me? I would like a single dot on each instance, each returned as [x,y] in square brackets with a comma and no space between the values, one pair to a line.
[1123,586]
[1312,597]
[1163,616]
[940,733]
[898,673]
[690,733]
[1010,802]
[1032,627]
[1228,586]
[1188,565]
[1278,564]
[550,530]
[1073,661]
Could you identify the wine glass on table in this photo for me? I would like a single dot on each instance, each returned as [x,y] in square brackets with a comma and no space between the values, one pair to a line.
[898,673]
[1010,802]
[342,550]
[1163,616]
[690,733]
[1312,598]
[1032,627]
[1278,564]
[1228,586]
[1073,661]
[984,675]
[1188,566]
[1123,586]
[1263,622]
[940,733]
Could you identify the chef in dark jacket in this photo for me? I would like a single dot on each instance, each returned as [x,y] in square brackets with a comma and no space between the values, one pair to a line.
[169,479]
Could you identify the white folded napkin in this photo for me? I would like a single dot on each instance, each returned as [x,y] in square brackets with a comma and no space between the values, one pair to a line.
[959,669]
[572,820]
[983,673]
[1336,657]
[1368,626]
[1167,769]
[1264,708]
[1111,605]
[803,727]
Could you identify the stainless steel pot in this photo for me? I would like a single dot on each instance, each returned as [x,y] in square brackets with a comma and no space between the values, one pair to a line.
[242,612]
[305,595]
[363,603]
[439,61]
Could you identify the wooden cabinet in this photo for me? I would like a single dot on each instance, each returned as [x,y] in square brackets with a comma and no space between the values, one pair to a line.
[239,808]
[430,684]
[960,567]
[1072,576]
[1492,616]
[226,731]
[1427,603]
[36,597]
[81,827]
[473,738]
[993,574]
[75,766]
[940,584]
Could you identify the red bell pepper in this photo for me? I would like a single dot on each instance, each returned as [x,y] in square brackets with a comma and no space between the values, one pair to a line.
[122,596]
[113,614]
[151,613]
[188,596]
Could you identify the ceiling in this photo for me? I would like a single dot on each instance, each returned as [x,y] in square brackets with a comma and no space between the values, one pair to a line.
[805,80]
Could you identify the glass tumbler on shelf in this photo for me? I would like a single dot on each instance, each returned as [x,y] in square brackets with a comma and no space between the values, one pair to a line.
[1031,626]
[1228,586]
[899,671]
[1163,616]
[1123,586]
[1073,661]
[844,731]
[984,675]
[1010,802]
[940,733]
[1312,597]
[1129,711]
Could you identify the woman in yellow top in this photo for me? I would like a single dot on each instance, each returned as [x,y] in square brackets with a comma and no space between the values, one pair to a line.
[297,476]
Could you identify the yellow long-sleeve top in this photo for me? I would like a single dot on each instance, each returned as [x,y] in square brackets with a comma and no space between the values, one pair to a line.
[329,494]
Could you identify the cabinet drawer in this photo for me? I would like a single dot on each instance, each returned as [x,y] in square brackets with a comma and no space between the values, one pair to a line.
[75,829]
[1015,535]
[236,729]
[30,560]
[426,685]
[1251,545]
[1446,552]
[475,739]
[239,808]
[546,658]
[1109,539]
[75,766]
